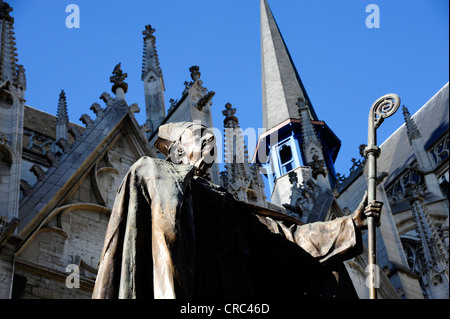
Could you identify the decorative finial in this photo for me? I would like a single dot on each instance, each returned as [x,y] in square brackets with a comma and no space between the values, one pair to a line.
[302,103]
[148,32]
[195,74]
[118,79]
[5,9]
[318,166]
[230,119]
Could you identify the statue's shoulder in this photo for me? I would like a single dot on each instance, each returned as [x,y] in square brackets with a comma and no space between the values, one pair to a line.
[147,160]
[149,166]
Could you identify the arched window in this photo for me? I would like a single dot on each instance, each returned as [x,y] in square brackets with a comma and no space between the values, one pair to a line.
[412,252]
[286,158]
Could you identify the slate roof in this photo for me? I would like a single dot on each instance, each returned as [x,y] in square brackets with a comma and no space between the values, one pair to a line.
[432,120]
[33,119]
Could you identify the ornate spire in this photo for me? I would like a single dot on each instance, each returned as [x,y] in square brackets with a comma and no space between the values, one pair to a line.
[153,83]
[434,255]
[62,118]
[150,61]
[281,84]
[235,148]
[9,69]
[413,132]
[118,79]
[311,143]
[241,178]
[312,147]
[61,114]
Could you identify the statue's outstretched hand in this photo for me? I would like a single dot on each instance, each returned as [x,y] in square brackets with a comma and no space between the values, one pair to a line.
[365,210]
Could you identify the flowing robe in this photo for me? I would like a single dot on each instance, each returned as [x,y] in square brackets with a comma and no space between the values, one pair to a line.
[173,235]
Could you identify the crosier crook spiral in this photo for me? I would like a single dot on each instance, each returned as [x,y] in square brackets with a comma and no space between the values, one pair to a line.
[384,107]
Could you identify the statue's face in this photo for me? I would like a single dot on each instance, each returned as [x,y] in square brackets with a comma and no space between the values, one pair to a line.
[197,148]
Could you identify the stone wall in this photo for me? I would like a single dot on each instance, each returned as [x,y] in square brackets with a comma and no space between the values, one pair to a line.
[6,270]
[72,235]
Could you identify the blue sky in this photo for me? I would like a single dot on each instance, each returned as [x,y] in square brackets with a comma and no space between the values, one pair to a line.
[344,65]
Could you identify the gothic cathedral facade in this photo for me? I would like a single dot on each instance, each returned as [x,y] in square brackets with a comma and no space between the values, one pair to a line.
[58,179]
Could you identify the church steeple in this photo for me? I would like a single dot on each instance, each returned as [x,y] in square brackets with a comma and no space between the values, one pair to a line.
[294,139]
[281,83]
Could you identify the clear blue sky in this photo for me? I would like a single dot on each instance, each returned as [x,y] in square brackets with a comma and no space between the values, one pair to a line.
[344,65]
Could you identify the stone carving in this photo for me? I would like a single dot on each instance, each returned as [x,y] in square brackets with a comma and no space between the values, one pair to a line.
[7,229]
[108,99]
[302,197]
[64,145]
[195,72]
[229,116]
[398,190]
[52,158]
[413,132]
[38,172]
[302,103]
[25,187]
[118,79]
[3,139]
[5,10]
[150,61]
[432,261]
[73,132]
[86,120]
[97,109]
[173,104]
[440,151]
[357,166]
[62,116]
[148,32]
[205,100]
[146,128]
[243,179]
[21,80]
[317,166]
[134,108]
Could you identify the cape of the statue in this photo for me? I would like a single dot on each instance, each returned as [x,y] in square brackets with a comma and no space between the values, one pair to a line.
[174,235]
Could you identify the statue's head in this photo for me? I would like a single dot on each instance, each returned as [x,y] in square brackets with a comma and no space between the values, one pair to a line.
[187,143]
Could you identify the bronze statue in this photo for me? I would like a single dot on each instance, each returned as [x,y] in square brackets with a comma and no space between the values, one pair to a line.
[174,234]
